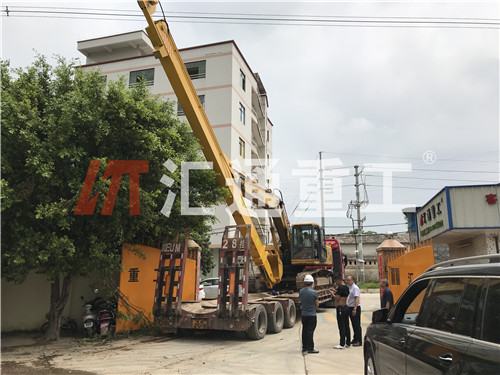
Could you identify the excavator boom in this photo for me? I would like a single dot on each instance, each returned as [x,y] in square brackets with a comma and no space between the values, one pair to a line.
[267,259]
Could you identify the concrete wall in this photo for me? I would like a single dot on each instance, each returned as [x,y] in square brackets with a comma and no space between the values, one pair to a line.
[481,244]
[370,244]
[24,306]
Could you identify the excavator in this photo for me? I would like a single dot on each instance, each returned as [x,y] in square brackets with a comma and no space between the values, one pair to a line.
[295,250]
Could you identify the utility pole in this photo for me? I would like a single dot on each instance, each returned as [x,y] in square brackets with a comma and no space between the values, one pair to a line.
[321,193]
[360,263]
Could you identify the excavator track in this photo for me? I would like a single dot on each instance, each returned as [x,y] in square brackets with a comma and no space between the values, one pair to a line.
[323,282]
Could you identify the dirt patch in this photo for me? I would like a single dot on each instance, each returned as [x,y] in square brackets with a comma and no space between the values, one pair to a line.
[14,368]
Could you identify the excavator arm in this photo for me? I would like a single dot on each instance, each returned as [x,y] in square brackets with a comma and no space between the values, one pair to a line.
[267,258]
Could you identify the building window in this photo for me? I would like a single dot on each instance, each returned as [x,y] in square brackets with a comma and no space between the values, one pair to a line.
[148,75]
[242,148]
[268,160]
[242,80]
[197,69]
[180,111]
[267,136]
[242,113]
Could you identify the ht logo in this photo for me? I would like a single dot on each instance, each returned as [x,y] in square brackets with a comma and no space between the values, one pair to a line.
[114,169]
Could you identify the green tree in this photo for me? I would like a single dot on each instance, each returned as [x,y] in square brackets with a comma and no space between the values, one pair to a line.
[55,121]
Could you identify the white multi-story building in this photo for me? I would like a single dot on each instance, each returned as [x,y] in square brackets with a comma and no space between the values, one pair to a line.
[233,96]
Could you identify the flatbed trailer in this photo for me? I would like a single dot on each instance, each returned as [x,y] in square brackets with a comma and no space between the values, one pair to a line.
[235,309]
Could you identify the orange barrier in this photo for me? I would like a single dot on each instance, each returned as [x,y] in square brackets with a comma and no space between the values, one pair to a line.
[138,288]
[404,266]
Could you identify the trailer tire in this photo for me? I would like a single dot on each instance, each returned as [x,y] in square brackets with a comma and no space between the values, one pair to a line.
[258,329]
[276,319]
[290,315]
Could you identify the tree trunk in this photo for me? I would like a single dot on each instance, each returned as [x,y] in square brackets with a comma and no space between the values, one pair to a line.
[58,298]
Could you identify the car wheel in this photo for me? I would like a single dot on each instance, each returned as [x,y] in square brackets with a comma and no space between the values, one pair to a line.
[369,363]
[258,329]
[276,319]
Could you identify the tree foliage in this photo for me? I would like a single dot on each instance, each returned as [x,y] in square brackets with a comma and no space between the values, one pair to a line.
[55,121]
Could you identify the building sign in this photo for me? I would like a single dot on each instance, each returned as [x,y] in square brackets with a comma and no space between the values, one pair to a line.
[491,198]
[433,217]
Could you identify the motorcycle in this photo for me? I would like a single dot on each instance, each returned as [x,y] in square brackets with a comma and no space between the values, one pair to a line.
[98,318]
[68,325]
[106,321]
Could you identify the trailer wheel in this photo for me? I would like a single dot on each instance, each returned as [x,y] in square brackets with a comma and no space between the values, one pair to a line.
[258,329]
[275,320]
[290,315]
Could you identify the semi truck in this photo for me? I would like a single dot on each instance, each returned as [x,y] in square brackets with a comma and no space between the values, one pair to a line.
[296,250]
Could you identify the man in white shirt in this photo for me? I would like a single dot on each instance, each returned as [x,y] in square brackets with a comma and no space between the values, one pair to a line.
[353,302]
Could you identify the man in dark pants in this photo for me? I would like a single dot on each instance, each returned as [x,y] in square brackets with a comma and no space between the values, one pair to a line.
[387,300]
[309,303]
[340,296]
[353,302]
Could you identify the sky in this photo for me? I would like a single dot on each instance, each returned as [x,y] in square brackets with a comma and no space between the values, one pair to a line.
[406,90]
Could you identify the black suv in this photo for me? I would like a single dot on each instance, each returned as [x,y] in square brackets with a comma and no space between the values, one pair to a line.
[446,322]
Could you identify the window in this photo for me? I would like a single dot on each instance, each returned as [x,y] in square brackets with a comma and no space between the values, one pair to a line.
[242,148]
[148,75]
[268,160]
[196,69]
[242,113]
[441,307]
[466,316]
[180,111]
[242,80]
[407,310]
[491,320]
[267,136]
[395,276]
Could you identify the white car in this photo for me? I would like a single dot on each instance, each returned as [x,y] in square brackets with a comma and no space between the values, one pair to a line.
[211,287]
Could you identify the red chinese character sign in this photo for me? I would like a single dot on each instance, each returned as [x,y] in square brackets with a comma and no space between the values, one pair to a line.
[491,198]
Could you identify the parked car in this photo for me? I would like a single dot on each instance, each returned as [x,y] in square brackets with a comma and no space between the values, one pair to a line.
[446,322]
[211,287]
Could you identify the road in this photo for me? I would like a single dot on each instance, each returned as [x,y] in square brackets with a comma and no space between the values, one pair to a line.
[205,353]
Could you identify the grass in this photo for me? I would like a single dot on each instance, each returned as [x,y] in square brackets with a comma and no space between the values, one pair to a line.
[368,285]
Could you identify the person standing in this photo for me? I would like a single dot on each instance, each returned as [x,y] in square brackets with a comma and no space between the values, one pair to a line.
[309,303]
[387,300]
[340,296]
[353,302]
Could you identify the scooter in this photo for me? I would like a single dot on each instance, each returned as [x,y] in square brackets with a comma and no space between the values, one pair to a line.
[106,321]
[90,316]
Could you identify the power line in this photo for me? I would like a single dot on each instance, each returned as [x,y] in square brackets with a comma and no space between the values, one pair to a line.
[410,158]
[271,14]
[434,179]
[405,187]
[272,21]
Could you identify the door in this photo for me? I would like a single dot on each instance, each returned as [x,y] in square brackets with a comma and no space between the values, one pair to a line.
[483,354]
[391,339]
[443,334]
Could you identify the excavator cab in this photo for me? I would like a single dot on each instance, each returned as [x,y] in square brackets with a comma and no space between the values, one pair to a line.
[307,244]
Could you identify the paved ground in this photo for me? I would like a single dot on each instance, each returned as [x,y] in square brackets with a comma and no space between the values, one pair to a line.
[207,353]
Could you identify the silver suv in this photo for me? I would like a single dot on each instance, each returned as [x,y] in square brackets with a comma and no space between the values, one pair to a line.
[446,322]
